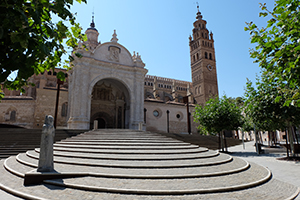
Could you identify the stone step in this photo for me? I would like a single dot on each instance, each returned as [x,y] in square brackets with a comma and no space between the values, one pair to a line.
[255,175]
[122,150]
[235,166]
[221,158]
[14,185]
[128,143]
[13,166]
[91,155]
[148,170]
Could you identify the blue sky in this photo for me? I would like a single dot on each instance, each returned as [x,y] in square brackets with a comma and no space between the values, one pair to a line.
[159,31]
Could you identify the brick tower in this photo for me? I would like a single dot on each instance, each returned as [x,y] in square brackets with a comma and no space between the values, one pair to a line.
[203,62]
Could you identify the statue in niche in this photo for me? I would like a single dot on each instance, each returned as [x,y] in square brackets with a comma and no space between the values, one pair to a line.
[46,148]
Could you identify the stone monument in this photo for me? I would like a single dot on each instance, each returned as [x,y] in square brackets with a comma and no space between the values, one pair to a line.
[46,148]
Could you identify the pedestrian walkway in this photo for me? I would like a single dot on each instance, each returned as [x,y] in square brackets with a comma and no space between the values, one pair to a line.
[286,171]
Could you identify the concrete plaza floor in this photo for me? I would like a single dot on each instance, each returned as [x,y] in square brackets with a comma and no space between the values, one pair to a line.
[286,171]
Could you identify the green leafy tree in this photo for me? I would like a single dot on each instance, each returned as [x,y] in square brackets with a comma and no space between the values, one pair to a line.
[268,113]
[218,115]
[31,42]
[278,49]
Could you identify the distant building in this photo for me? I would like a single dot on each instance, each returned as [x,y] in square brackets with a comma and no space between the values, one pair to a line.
[111,85]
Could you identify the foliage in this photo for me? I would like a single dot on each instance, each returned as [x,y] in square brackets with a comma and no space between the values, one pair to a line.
[218,114]
[31,42]
[278,49]
[267,111]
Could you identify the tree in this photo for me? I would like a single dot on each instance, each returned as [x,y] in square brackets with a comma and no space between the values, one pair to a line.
[31,42]
[218,115]
[278,49]
[267,113]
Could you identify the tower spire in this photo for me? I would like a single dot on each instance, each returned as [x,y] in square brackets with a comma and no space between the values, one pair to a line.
[93,23]
[199,16]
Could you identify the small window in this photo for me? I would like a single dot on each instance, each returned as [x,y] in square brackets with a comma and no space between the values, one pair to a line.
[54,73]
[49,73]
[178,116]
[145,83]
[194,59]
[155,113]
[66,75]
[197,56]
[210,56]
[151,84]
[206,55]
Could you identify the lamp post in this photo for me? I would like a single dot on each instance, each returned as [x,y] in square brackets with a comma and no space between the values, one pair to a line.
[168,112]
[186,100]
[59,82]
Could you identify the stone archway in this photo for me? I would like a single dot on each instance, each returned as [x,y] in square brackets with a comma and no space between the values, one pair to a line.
[110,104]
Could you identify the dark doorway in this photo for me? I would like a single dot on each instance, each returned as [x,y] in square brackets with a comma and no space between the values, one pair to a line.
[101,123]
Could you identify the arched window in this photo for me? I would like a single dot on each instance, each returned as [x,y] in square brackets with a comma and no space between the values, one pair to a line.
[54,73]
[197,56]
[205,35]
[12,116]
[49,73]
[196,90]
[194,58]
[64,109]
[199,90]
[202,35]
[206,55]
[210,56]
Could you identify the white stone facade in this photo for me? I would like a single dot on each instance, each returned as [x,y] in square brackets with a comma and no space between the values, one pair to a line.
[108,61]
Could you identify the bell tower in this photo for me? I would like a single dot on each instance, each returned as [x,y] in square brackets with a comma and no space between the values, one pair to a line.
[203,62]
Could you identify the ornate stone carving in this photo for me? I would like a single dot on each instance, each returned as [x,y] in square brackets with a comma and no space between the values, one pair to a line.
[114,54]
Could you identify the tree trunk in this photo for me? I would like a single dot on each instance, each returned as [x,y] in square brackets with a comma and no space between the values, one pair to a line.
[225,142]
[287,144]
[219,141]
[237,134]
[222,141]
[257,142]
[291,140]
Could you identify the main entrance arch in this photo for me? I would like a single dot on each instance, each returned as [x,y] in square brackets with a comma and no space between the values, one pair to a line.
[110,104]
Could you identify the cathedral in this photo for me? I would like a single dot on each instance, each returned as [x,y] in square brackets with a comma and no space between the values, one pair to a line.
[110,85]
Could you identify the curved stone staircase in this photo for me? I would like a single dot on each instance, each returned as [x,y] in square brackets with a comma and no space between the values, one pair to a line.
[127,164]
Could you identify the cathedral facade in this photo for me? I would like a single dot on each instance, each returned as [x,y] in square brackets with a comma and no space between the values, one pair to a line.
[110,85]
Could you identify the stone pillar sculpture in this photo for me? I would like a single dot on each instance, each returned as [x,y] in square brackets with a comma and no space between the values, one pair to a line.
[46,148]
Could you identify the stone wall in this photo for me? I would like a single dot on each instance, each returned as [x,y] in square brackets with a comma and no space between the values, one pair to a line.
[177,117]
[17,111]
[45,105]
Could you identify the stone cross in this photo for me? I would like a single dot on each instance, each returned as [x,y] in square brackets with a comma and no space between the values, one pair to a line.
[46,148]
